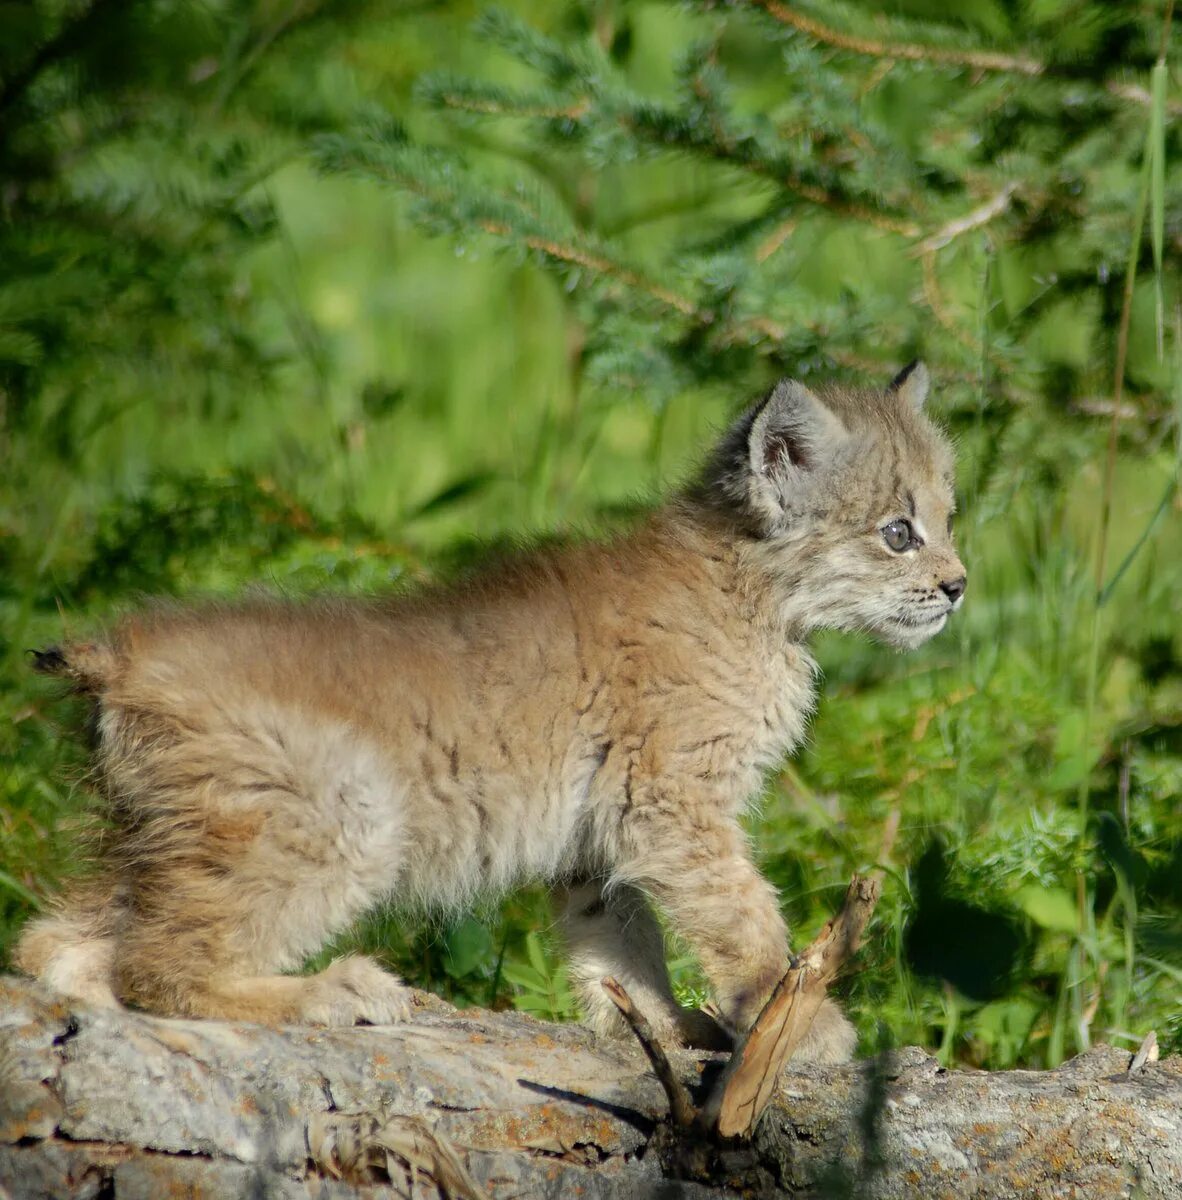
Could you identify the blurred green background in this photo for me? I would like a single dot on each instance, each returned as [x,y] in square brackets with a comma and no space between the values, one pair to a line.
[328,294]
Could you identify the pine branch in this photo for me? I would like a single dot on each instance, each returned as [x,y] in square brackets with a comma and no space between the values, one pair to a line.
[741,150]
[67,39]
[466,203]
[490,106]
[573,255]
[437,182]
[557,62]
[299,13]
[976,219]
[934,298]
[617,108]
[978,60]
[457,94]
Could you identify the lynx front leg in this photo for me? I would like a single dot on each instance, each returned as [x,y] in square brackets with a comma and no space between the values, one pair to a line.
[612,931]
[695,865]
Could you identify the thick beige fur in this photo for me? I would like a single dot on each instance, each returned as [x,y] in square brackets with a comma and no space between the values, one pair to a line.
[596,716]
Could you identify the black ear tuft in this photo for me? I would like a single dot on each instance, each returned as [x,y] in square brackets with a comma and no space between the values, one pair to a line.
[903,375]
[911,384]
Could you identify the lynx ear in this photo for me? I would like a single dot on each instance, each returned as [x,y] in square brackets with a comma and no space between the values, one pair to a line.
[792,435]
[912,384]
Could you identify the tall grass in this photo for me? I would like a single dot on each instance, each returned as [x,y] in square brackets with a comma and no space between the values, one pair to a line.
[1089,963]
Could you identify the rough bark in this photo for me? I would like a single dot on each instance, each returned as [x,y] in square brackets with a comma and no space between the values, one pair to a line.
[100,1104]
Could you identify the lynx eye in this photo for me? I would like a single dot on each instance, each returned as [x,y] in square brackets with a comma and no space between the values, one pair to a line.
[899,536]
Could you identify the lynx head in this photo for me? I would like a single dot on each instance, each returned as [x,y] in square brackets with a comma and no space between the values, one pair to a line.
[847,496]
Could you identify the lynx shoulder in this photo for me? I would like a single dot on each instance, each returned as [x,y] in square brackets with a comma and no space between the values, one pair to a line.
[595,716]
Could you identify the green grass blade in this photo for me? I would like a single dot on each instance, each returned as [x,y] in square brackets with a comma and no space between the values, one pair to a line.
[1156,151]
[1162,505]
[14,885]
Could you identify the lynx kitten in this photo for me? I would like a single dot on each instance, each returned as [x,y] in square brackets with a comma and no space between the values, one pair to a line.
[595,716]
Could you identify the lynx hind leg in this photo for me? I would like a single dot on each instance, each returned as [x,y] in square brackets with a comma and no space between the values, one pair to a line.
[247,845]
[830,1039]
[71,949]
[612,931]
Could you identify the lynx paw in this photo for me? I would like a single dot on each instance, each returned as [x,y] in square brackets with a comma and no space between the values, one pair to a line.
[699,1030]
[353,990]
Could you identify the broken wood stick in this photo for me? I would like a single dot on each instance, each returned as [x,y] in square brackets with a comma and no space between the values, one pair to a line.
[749,1079]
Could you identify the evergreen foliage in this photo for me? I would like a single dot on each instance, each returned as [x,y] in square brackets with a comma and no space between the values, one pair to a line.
[546,248]
[797,131]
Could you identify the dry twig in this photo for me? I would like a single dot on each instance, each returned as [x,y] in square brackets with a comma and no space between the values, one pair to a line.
[362,1147]
[681,1108]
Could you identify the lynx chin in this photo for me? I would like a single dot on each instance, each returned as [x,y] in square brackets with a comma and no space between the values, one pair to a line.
[596,716]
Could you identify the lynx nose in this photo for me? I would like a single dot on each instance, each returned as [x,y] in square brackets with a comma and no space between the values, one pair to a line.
[954,588]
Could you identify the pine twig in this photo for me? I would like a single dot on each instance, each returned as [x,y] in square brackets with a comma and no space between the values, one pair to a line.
[980,216]
[577,256]
[487,107]
[846,208]
[774,240]
[978,60]
[681,1108]
[749,1080]
[719,149]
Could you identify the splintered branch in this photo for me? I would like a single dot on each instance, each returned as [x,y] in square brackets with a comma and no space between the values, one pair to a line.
[681,1108]
[749,1079]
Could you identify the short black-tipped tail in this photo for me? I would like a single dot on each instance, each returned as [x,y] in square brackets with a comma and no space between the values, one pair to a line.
[89,665]
[50,661]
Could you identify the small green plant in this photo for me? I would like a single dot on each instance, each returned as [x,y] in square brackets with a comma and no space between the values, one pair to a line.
[541,981]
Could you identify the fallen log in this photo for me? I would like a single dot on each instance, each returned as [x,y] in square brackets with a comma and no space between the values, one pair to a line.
[98,1103]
